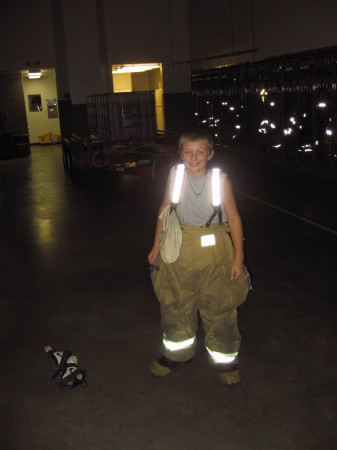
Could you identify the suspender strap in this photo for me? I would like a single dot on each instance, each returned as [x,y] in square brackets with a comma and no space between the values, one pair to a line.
[173,207]
[217,211]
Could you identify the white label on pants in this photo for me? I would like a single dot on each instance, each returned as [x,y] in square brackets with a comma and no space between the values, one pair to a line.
[207,240]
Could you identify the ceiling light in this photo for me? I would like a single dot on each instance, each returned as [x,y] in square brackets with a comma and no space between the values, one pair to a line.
[34,74]
[132,68]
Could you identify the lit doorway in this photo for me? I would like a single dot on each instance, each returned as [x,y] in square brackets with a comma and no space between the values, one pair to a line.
[140,78]
[40,94]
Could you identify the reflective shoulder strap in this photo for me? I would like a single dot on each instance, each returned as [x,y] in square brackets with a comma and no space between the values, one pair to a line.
[178,184]
[216,197]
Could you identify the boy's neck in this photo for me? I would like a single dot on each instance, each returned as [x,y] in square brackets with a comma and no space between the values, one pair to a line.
[197,175]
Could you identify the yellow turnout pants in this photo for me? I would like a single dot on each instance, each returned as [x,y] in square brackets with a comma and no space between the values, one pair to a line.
[199,281]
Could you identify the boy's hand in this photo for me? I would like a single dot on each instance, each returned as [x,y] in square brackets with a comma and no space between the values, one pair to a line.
[152,256]
[238,270]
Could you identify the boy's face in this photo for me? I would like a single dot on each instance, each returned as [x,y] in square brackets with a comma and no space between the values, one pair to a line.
[195,155]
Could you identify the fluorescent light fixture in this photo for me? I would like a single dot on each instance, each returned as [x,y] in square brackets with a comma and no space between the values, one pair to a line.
[34,74]
[132,68]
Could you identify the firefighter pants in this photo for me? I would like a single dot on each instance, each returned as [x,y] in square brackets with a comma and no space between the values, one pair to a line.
[199,281]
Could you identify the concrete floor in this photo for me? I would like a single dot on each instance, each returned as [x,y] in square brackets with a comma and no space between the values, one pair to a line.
[74,275]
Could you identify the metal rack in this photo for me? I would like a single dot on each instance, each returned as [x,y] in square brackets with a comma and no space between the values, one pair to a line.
[296,94]
[122,116]
[121,136]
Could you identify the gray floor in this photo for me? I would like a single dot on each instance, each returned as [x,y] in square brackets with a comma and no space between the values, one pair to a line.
[74,275]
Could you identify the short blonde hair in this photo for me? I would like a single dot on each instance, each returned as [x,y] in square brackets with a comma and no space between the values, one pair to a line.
[196,134]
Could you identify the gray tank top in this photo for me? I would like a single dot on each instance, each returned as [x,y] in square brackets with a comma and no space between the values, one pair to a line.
[195,206]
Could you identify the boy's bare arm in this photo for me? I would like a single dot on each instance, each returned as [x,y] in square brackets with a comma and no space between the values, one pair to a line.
[235,226]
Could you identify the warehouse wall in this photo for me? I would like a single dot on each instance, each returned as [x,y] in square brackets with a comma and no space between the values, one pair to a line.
[82,49]
[81,39]
[26,35]
[294,26]
[137,32]
[273,27]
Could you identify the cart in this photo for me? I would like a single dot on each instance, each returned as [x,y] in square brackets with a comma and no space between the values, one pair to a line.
[121,136]
[150,157]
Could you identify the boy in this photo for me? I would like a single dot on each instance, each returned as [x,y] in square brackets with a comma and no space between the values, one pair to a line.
[209,275]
